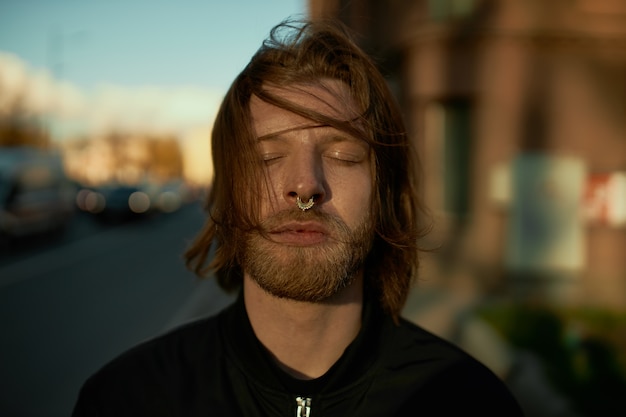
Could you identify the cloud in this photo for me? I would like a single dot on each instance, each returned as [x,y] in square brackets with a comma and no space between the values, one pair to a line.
[35,91]
[72,111]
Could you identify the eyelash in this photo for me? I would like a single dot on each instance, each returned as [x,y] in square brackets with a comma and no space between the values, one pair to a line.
[270,157]
[347,160]
[344,158]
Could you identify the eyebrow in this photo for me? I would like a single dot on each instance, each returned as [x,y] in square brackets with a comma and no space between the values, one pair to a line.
[334,137]
[280,133]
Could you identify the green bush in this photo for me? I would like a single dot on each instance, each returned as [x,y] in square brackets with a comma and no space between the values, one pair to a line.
[583,350]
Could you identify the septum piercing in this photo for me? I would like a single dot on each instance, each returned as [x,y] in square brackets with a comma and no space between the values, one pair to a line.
[305,206]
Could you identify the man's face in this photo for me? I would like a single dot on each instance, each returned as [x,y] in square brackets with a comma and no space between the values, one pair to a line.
[310,255]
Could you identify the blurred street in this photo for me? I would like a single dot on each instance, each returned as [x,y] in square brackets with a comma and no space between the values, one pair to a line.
[69,305]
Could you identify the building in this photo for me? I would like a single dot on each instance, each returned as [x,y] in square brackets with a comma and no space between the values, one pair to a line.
[518,108]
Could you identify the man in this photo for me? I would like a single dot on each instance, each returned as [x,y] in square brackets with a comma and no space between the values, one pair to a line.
[314,219]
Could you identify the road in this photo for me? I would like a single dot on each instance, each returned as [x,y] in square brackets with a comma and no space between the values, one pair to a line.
[67,308]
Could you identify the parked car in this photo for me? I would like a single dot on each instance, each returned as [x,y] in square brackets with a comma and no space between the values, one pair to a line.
[171,196]
[35,195]
[116,203]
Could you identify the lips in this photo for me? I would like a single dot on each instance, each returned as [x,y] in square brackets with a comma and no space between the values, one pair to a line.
[300,233]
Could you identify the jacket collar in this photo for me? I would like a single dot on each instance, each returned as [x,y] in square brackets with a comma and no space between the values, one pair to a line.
[356,365]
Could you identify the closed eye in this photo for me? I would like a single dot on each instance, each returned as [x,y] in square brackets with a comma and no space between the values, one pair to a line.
[270,158]
[346,157]
[345,149]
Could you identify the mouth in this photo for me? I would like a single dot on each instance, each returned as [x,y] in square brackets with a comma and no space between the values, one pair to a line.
[300,233]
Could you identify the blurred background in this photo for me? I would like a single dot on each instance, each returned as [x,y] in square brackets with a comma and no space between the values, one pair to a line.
[517,107]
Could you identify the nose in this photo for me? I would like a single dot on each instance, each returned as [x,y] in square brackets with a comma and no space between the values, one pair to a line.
[304,178]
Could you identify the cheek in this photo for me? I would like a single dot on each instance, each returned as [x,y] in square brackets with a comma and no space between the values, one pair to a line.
[269,198]
[352,198]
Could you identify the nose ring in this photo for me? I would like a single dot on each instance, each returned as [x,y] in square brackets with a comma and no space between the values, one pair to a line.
[305,206]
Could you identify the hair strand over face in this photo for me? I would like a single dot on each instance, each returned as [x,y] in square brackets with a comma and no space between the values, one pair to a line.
[305,53]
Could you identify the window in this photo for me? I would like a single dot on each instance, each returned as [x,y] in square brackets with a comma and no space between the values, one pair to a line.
[448,127]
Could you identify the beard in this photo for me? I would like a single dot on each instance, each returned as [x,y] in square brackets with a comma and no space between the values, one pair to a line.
[312,273]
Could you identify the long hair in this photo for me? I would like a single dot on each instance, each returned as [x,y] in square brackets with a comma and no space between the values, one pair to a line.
[305,53]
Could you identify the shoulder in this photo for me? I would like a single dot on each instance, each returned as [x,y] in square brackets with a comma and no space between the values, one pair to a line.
[155,373]
[189,341]
[413,346]
[439,375]
[412,342]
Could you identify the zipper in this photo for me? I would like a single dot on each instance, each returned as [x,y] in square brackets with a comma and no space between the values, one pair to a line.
[304,407]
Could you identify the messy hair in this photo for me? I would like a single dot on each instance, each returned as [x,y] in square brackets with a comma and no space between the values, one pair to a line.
[304,53]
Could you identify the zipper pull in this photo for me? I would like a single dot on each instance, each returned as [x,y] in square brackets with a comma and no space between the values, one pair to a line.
[304,407]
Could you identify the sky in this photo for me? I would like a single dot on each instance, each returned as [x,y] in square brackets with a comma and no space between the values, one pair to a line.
[92,64]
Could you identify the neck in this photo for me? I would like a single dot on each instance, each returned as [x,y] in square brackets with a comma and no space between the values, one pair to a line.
[305,339]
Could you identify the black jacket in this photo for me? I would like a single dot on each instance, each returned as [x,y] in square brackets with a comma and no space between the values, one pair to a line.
[217,367]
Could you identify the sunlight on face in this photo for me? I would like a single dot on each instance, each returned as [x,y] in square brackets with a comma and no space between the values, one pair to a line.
[310,255]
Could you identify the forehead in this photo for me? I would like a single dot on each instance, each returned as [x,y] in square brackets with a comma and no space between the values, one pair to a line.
[330,98]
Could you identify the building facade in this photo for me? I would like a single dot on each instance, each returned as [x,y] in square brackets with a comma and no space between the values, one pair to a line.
[518,109]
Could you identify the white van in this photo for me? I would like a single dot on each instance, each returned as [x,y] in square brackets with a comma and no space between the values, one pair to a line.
[35,195]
